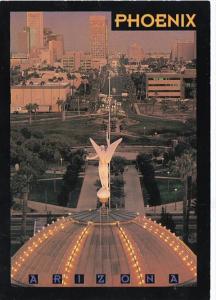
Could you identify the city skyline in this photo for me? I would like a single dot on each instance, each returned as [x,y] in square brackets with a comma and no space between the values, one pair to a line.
[149,41]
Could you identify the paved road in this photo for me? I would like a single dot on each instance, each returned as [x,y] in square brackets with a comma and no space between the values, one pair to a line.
[88,194]
[132,189]
[59,118]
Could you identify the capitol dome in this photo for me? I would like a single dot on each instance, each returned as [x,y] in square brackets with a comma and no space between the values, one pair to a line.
[127,247]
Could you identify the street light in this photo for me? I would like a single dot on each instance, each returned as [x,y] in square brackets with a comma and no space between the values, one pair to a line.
[168,172]
[144,128]
[162,161]
[175,190]
[61,159]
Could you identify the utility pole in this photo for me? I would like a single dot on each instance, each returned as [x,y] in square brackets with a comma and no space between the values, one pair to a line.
[109,97]
[185,235]
[63,111]
[24,208]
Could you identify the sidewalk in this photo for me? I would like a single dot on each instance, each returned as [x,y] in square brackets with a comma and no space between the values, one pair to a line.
[132,189]
[170,208]
[88,194]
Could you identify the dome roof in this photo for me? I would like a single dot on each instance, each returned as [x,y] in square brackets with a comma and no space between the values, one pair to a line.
[99,242]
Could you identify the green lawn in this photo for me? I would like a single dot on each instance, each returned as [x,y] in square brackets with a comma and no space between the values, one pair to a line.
[167,192]
[155,125]
[77,130]
[80,129]
[168,195]
[48,190]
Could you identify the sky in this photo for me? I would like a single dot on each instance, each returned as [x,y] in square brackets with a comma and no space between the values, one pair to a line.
[75,28]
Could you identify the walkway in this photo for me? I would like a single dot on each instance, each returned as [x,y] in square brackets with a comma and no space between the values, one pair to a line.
[88,194]
[132,189]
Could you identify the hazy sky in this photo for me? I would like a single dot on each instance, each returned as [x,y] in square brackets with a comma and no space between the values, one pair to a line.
[75,28]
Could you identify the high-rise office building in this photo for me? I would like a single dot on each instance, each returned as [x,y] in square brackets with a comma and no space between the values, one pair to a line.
[23,41]
[183,50]
[58,41]
[98,37]
[135,52]
[36,27]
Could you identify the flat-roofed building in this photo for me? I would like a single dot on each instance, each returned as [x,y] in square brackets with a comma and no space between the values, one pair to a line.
[170,85]
[24,61]
[135,52]
[183,51]
[74,60]
[35,23]
[85,62]
[23,41]
[45,95]
[98,37]
[163,85]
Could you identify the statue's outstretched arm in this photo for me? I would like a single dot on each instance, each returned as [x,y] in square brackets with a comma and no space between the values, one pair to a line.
[92,157]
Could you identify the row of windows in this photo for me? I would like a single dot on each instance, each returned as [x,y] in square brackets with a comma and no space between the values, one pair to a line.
[164,78]
[165,97]
[163,84]
[163,91]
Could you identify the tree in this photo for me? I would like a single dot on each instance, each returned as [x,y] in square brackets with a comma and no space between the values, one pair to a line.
[146,168]
[26,132]
[118,164]
[164,106]
[167,220]
[17,184]
[70,178]
[35,108]
[154,101]
[73,77]
[117,192]
[29,107]
[181,147]
[33,145]
[185,167]
[156,152]
[59,103]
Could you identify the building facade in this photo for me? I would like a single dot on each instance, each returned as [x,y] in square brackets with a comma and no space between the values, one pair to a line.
[45,96]
[171,85]
[135,52]
[76,60]
[23,41]
[183,51]
[98,37]
[35,24]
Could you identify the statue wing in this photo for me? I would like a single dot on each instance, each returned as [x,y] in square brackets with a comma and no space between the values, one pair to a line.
[111,148]
[95,146]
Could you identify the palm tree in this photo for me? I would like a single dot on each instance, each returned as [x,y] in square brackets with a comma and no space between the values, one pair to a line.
[164,106]
[29,107]
[35,108]
[59,103]
[63,106]
[154,100]
[73,77]
[185,167]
